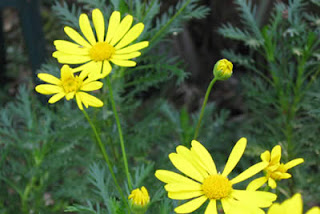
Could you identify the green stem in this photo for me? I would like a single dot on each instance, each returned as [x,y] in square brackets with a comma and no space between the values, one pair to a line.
[105,155]
[25,195]
[125,161]
[169,22]
[203,107]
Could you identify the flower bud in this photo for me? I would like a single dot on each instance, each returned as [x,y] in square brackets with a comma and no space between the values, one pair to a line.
[139,200]
[223,69]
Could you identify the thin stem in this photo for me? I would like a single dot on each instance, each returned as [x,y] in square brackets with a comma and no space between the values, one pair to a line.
[125,161]
[203,107]
[105,155]
[25,195]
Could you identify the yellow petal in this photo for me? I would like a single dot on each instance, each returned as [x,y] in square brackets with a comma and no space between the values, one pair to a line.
[122,29]
[132,48]
[124,63]
[132,35]
[172,177]
[88,67]
[314,210]
[79,101]
[293,163]
[192,158]
[66,73]
[70,48]
[89,100]
[180,187]
[86,28]
[92,86]
[272,183]
[251,171]
[292,205]
[56,98]
[226,204]
[48,89]
[114,23]
[184,195]
[232,206]
[212,207]
[98,21]
[70,95]
[275,155]
[106,70]
[256,198]
[278,209]
[95,72]
[126,56]
[235,156]
[75,36]
[265,156]
[257,183]
[191,206]
[285,175]
[49,78]
[204,156]
[69,58]
[185,167]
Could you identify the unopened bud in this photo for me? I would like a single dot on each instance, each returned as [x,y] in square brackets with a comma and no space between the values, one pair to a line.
[223,69]
[139,200]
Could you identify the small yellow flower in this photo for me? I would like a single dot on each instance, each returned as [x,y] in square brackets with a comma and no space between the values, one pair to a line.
[139,199]
[203,182]
[275,171]
[70,86]
[223,69]
[292,205]
[96,52]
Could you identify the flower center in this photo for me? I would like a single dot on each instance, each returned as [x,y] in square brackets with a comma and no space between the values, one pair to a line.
[101,51]
[216,187]
[71,84]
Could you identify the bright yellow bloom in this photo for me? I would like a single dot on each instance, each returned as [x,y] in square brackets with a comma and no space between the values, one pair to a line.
[203,182]
[69,86]
[139,199]
[292,205]
[97,51]
[223,69]
[275,171]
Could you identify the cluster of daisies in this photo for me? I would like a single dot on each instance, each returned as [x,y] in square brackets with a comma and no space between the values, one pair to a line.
[91,56]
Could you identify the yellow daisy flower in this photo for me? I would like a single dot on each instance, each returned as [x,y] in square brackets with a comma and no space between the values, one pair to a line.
[292,205]
[96,52]
[275,171]
[203,182]
[69,86]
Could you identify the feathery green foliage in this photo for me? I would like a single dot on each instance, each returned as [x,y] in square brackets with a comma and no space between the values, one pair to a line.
[283,56]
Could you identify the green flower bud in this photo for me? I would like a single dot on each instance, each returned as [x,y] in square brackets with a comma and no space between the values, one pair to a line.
[139,200]
[223,69]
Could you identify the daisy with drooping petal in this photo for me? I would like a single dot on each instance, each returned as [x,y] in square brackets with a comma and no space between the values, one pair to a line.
[96,51]
[203,182]
[292,205]
[275,171]
[70,86]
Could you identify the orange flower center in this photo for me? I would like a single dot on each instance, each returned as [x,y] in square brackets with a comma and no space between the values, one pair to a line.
[101,51]
[216,187]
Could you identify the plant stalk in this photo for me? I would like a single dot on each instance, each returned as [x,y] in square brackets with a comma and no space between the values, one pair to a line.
[125,161]
[203,107]
[105,155]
